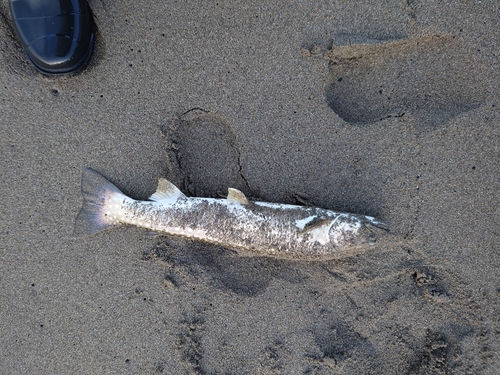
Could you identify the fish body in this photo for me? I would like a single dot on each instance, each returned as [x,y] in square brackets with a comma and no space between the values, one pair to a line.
[256,228]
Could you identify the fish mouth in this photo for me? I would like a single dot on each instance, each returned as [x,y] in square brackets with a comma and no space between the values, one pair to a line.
[377,224]
[375,231]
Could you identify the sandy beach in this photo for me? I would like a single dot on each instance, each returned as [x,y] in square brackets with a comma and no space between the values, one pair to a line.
[389,109]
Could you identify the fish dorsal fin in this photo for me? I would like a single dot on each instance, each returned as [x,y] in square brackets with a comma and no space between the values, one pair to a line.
[236,196]
[166,190]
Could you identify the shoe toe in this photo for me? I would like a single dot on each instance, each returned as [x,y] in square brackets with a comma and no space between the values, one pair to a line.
[57,54]
[57,40]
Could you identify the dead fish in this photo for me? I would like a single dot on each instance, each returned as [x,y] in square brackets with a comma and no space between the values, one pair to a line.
[256,228]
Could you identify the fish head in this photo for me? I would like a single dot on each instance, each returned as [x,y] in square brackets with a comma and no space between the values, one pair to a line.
[357,231]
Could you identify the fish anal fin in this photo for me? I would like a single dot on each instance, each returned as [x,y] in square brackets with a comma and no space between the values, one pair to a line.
[166,190]
[236,196]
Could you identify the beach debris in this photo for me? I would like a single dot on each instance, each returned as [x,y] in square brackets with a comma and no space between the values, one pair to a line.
[250,228]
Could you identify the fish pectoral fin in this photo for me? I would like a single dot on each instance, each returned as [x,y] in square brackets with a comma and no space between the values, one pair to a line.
[317,224]
[166,190]
[236,196]
[318,230]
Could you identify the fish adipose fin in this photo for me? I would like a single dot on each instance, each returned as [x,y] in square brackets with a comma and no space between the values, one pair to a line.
[166,190]
[95,190]
[236,196]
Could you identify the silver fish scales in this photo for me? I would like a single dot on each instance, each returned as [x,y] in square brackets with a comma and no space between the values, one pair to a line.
[253,228]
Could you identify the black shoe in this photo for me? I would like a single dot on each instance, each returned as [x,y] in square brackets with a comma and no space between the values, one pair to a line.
[57,35]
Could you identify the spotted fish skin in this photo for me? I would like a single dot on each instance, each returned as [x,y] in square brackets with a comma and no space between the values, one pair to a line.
[254,228]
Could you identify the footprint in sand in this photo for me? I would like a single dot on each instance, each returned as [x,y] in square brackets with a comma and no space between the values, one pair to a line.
[434,77]
[204,158]
[202,150]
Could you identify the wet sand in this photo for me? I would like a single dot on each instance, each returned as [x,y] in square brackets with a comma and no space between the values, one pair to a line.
[389,110]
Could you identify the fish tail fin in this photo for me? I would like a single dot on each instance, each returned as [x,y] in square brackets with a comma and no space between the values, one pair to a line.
[96,189]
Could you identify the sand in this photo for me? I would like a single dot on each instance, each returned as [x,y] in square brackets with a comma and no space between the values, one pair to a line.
[389,109]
